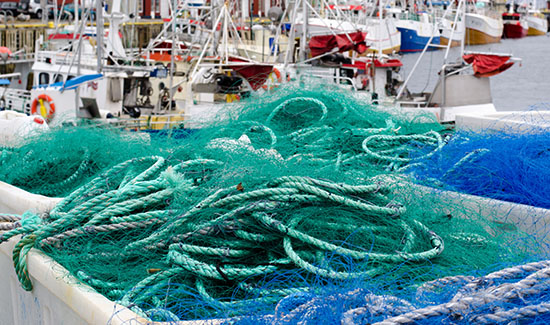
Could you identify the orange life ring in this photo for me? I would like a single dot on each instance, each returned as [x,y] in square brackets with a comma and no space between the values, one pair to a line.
[39,100]
[278,79]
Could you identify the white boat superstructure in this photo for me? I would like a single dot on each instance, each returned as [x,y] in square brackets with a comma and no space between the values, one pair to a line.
[54,68]
[381,36]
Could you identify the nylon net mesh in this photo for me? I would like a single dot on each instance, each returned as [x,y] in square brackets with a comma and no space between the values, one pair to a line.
[296,207]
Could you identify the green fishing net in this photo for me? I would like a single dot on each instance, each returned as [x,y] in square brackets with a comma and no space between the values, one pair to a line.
[289,192]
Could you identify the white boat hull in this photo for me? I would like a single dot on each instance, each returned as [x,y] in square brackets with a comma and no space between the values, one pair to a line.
[530,122]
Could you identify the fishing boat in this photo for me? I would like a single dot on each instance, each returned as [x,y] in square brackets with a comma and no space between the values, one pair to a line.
[417,30]
[482,26]
[537,22]
[332,50]
[382,34]
[470,75]
[481,29]
[515,25]
[78,74]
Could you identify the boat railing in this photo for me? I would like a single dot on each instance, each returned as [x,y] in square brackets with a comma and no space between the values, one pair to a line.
[409,16]
[149,122]
[16,99]
[415,104]
[20,57]
[337,79]
[65,58]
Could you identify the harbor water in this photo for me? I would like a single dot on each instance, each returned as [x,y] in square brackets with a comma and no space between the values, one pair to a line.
[525,85]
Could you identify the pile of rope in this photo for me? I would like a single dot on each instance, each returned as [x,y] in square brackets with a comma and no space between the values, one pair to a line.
[247,238]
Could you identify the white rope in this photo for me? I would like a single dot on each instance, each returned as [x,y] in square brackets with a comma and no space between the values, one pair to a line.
[486,299]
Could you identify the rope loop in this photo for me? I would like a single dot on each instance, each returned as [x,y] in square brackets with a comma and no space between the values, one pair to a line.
[316,102]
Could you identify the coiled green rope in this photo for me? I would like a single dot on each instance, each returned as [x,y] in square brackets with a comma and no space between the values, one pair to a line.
[133,195]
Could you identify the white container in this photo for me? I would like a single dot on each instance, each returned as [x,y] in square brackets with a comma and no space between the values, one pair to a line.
[57,297]
[529,220]
[516,122]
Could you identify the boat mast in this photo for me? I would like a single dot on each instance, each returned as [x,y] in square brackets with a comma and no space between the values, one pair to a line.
[276,42]
[303,38]
[172,66]
[459,10]
[205,47]
[380,21]
[291,40]
[99,34]
[463,14]
[225,38]
[76,13]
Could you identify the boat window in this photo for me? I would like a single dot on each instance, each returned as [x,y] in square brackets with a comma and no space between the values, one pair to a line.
[70,77]
[58,78]
[43,78]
